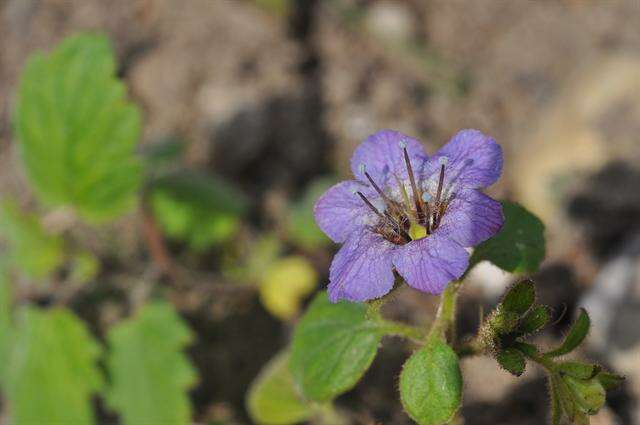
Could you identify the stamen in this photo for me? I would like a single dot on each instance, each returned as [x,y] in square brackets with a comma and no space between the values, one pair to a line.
[403,192]
[369,204]
[440,183]
[426,196]
[417,199]
[437,208]
[384,197]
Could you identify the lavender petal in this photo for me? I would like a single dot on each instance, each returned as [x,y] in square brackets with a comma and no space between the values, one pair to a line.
[429,264]
[362,269]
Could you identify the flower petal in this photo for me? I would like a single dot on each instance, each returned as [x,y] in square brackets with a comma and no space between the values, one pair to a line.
[473,160]
[382,157]
[340,211]
[471,217]
[430,263]
[362,269]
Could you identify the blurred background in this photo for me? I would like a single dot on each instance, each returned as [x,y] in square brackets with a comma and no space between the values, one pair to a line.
[256,106]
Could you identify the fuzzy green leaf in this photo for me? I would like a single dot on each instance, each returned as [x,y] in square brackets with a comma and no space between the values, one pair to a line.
[333,346]
[576,335]
[535,320]
[578,370]
[589,395]
[150,374]
[431,383]
[77,133]
[199,209]
[6,321]
[512,361]
[610,380]
[520,297]
[519,247]
[272,397]
[52,372]
[32,251]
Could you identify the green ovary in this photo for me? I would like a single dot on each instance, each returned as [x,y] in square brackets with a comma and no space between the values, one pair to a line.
[417,231]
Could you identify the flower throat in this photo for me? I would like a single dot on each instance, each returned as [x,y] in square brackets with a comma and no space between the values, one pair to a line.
[402,222]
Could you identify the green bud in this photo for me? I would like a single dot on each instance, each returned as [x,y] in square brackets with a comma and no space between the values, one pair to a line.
[535,319]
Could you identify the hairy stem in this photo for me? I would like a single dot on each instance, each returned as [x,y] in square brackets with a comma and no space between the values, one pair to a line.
[400,329]
[443,325]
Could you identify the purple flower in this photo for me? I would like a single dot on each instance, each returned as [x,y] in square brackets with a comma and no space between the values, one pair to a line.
[409,213]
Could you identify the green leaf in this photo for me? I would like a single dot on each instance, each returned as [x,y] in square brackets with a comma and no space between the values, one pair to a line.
[150,374]
[197,208]
[32,251]
[578,370]
[519,247]
[6,321]
[77,133]
[535,320]
[52,373]
[609,380]
[520,297]
[301,224]
[589,394]
[84,267]
[576,335]
[512,361]
[333,346]
[272,397]
[431,383]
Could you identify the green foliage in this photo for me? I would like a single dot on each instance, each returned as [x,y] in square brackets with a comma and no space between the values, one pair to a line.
[520,297]
[519,247]
[537,318]
[76,131]
[199,209]
[52,372]
[511,360]
[32,251]
[6,321]
[149,372]
[273,399]
[333,346]
[277,7]
[578,370]
[301,225]
[431,383]
[610,380]
[84,267]
[576,335]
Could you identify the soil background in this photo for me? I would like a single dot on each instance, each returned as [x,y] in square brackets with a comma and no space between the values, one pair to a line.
[272,94]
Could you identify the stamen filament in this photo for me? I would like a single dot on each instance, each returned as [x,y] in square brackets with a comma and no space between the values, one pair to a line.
[369,204]
[403,191]
[384,197]
[436,212]
[417,198]
[386,216]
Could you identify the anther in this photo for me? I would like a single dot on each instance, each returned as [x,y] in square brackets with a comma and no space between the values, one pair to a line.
[426,197]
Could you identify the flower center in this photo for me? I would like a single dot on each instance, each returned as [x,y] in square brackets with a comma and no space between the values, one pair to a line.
[412,217]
